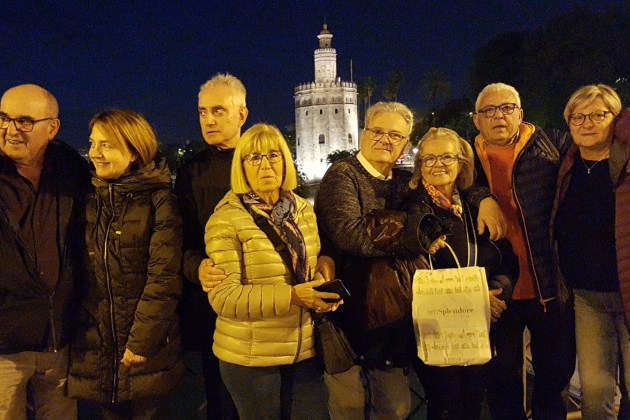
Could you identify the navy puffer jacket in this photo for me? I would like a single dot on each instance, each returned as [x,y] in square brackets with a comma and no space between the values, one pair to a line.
[533,184]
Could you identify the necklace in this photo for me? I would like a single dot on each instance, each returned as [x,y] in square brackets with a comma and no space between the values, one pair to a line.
[588,168]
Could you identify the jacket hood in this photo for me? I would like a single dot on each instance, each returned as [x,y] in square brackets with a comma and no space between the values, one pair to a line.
[154,174]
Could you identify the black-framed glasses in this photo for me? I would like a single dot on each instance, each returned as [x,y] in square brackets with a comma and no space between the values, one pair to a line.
[23,124]
[447,159]
[377,134]
[255,159]
[596,117]
[490,110]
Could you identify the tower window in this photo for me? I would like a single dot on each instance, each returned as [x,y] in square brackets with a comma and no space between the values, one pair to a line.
[321,112]
[336,111]
[350,138]
[322,139]
[298,141]
[306,112]
[348,111]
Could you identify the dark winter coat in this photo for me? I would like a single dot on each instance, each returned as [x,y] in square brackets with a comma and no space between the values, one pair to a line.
[346,195]
[132,288]
[421,222]
[533,185]
[619,163]
[31,318]
[201,183]
[377,318]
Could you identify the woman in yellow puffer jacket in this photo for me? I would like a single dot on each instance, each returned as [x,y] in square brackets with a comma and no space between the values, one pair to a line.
[264,333]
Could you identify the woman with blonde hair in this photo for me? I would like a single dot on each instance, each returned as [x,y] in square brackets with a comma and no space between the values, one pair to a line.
[591,231]
[264,333]
[126,355]
[443,167]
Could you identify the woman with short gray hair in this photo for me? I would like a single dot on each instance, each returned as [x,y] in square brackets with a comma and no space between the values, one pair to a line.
[591,231]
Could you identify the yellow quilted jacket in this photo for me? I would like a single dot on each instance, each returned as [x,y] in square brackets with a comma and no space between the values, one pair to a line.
[256,324]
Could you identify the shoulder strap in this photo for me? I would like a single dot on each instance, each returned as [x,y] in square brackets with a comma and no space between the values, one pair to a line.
[472,235]
[546,145]
[281,248]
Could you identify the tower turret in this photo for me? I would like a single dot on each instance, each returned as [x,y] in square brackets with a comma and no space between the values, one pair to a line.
[325,58]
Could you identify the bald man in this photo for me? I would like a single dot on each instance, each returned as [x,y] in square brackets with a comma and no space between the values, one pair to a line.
[42,185]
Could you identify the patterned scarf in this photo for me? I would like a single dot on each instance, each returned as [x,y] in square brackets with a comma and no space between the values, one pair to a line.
[440,200]
[281,216]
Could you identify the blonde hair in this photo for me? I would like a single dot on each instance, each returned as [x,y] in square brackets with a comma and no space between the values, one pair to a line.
[261,138]
[228,80]
[466,175]
[393,107]
[131,131]
[587,94]
[497,87]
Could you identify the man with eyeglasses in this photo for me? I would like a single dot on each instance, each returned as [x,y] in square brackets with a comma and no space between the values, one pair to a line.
[375,323]
[42,188]
[520,163]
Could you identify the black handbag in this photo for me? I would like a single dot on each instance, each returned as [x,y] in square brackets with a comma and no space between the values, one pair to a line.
[333,348]
[332,345]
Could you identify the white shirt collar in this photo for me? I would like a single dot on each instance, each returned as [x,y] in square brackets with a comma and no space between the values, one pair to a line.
[371,169]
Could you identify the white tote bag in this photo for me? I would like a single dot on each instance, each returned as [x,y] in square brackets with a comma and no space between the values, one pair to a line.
[451,315]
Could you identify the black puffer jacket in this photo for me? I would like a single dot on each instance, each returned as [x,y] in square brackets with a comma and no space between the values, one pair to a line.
[133,285]
[31,318]
[533,184]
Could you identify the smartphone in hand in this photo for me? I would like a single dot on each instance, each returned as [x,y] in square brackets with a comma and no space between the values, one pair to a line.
[334,286]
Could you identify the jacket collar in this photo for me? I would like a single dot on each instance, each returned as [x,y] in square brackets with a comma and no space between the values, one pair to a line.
[526,132]
[618,160]
[155,173]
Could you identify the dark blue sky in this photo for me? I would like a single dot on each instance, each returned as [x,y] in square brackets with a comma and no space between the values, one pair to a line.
[153,56]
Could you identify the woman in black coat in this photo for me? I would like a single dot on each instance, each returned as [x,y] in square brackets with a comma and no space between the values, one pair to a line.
[443,167]
[126,355]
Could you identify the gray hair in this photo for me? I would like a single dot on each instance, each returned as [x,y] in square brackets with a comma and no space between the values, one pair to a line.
[393,107]
[228,80]
[497,87]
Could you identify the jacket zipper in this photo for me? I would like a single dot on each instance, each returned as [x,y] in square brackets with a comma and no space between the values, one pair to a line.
[299,343]
[111,296]
[52,322]
[51,297]
[525,232]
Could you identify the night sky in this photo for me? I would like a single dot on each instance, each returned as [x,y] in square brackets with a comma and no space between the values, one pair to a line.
[152,57]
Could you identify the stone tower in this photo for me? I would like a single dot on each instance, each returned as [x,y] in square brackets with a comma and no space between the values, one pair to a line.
[325,112]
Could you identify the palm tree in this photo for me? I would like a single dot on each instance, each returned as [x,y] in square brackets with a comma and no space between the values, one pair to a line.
[392,86]
[370,86]
[362,96]
[435,86]
[365,90]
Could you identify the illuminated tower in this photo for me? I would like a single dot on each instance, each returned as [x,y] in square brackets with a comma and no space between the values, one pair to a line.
[325,112]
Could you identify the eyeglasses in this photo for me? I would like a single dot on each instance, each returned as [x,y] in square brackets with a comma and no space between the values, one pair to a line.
[255,159]
[447,159]
[490,110]
[378,134]
[596,117]
[23,124]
